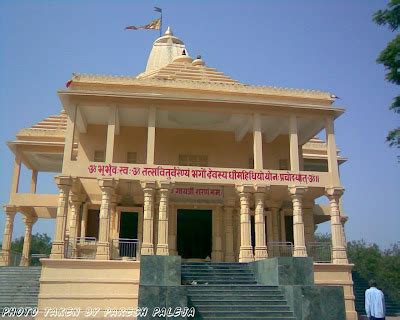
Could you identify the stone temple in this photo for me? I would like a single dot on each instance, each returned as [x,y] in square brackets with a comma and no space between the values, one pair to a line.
[182,187]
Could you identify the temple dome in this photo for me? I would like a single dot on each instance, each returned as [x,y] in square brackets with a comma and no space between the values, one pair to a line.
[164,50]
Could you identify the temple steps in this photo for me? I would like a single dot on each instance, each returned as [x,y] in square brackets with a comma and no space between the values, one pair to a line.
[19,286]
[230,291]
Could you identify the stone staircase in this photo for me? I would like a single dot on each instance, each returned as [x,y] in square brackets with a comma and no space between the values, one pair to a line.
[19,287]
[360,285]
[230,291]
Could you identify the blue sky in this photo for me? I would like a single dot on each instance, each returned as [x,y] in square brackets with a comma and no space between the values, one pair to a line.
[326,45]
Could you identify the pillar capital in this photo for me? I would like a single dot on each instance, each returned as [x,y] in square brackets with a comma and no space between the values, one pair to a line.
[75,199]
[148,185]
[274,204]
[297,191]
[244,188]
[261,189]
[334,192]
[63,182]
[107,184]
[165,185]
[29,220]
[10,211]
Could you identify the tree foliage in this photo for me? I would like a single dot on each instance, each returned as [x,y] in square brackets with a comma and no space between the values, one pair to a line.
[373,263]
[390,58]
[41,244]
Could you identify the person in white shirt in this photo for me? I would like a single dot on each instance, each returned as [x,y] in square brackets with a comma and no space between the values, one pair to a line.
[374,302]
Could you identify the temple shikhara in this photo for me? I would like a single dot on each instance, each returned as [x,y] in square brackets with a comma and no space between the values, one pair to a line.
[182,187]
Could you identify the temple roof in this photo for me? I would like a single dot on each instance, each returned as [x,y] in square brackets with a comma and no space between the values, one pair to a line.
[188,70]
[53,125]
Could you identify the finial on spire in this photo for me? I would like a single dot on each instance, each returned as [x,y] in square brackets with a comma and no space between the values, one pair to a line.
[168,32]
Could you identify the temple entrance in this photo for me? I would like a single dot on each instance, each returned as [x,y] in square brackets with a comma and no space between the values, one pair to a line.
[128,225]
[127,245]
[194,238]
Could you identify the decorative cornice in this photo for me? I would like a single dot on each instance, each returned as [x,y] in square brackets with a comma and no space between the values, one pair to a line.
[195,84]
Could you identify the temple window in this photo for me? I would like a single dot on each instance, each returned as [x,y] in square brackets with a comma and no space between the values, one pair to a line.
[99,156]
[193,160]
[283,164]
[131,157]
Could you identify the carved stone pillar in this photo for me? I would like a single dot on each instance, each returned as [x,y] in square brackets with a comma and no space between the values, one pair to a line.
[275,223]
[107,187]
[343,220]
[28,221]
[260,250]
[216,254]
[339,255]
[228,211]
[75,203]
[10,212]
[309,226]
[114,218]
[298,224]
[246,249]
[64,185]
[148,214]
[162,243]
[172,222]
[84,220]
[283,226]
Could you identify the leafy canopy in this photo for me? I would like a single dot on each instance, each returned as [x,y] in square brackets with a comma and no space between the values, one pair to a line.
[390,58]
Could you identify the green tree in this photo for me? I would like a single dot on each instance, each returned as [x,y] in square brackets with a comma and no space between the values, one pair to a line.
[40,244]
[322,237]
[372,263]
[390,58]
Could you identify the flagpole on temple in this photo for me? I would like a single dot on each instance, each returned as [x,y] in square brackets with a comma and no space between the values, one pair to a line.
[160,11]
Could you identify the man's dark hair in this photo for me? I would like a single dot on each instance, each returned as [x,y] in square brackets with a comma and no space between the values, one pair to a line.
[372,283]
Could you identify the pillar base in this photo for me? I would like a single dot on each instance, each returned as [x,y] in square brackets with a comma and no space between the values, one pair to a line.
[57,250]
[217,255]
[5,259]
[246,254]
[147,249]
[162,250]
[103,251]
[230,257]
[24,262]
[339,256]
[300,251]
[260,253]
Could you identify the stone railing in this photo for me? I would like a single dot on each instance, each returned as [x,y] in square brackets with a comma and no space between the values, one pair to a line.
[280,249]
[320,252]
[13,259]
[122,249]
[81,248]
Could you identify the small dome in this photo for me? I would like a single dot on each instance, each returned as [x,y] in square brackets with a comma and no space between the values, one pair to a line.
[198,62]
[183,57]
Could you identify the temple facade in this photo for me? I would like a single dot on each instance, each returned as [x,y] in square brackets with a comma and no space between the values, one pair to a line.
[178,160]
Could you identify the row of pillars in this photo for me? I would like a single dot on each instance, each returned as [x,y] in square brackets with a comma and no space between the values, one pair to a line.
[6,254]
[107,207]
[246,252]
